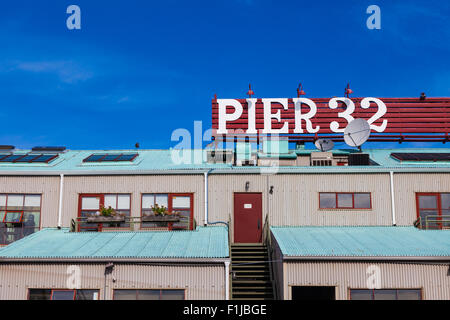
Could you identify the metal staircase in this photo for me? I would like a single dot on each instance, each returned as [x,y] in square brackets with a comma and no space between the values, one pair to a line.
[250,271]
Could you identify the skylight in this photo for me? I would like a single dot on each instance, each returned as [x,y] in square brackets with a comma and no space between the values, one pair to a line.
[111,157]
[421,156]
[27,158]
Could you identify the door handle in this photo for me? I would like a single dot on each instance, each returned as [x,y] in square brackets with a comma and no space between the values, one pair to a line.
[259,224]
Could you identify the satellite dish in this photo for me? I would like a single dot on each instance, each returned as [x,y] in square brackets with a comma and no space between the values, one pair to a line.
[324,144]
[357,132]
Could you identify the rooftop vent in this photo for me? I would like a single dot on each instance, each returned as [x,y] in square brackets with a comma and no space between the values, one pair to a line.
[358,159]
[219,156]
[321,159]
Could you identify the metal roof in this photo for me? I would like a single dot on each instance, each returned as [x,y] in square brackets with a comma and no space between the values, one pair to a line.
[357,242]
[57,244]
[194,162]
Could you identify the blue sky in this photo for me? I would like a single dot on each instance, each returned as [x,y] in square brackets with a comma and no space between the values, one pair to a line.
[137,70]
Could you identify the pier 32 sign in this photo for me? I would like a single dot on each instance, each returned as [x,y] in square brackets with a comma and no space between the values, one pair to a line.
[332,115]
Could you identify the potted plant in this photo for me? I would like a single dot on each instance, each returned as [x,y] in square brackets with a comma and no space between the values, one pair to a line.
[106,215]
[161,214]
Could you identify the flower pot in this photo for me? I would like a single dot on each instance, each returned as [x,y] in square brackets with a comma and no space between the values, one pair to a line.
[103,219]
[166,218]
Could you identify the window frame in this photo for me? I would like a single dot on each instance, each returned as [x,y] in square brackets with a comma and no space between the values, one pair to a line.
[353,201]
[159,289]
[75,291]
[438,207]
[37,226]
[170,207]
[98,226]
[373,292]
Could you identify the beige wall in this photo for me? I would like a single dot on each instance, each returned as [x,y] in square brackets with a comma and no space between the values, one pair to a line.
[293,202]
[432,279]
[136,185]
[406,186]
[47,186]
[199,281]
[295,198]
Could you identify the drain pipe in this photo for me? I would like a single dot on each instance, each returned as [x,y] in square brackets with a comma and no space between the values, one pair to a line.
[206,195]
[61,191]
[227,280]
[391,174]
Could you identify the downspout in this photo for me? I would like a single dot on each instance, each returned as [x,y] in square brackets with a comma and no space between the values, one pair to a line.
[391,174]
[206,195]
[61,191]
[227,280]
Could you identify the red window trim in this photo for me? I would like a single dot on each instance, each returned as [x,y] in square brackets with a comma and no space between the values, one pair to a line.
[438,207]
[6,213]
[52,290]
[59,290]
[353,201]
[102,203]
[170,208]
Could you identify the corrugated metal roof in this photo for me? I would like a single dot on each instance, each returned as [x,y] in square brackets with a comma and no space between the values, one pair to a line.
[362,242]
[51,243]
[194,161]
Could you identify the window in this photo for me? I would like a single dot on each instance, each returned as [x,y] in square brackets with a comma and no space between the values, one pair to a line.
[29,157]
[434,156]
[111,157]
[181,203]
[19,216]
[90,205]
[433,210]
[62,294]
[344,200]
[163,294]
[385,294]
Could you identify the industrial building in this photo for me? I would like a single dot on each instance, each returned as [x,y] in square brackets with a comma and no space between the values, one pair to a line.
[265,219]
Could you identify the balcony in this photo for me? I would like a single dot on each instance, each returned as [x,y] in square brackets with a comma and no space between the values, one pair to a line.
[125,223]
[433,222]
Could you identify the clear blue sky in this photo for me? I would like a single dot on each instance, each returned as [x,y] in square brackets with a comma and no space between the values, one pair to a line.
[137,70]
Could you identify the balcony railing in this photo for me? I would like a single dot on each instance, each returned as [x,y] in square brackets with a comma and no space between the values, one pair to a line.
[433,222]
[148,223]
[13,232]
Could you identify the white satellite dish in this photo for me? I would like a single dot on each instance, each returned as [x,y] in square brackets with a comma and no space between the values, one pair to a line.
[357,132]
[324,144]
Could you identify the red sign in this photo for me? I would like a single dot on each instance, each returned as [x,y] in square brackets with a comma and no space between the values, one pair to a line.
[311,116]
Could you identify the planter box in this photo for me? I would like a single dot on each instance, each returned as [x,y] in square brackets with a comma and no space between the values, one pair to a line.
[166,218]
[100,219]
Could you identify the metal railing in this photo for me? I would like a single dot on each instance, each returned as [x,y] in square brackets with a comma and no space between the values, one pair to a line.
[433,222]
[81,224]
[267,240]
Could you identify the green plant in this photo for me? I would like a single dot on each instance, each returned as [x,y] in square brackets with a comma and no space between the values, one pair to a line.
[107,212]
[159,210]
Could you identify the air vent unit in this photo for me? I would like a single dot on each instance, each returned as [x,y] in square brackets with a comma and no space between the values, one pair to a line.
[321,159]
[219,156]
[358,159]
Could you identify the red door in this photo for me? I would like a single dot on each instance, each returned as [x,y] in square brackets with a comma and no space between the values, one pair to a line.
[247,217]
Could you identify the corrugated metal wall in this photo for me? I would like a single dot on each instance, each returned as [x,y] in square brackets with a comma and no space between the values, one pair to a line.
[199,281]
[47,186]
[433,279]
[134,184]
[407,184]
[295,198]
[293,202]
